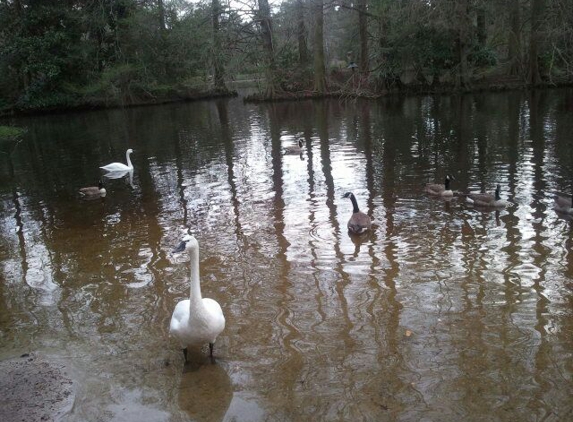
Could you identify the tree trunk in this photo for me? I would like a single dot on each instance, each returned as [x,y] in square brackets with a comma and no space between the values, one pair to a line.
[319,67]
[363,31]
[481,26]
[219,76]
[537,8]
[267,36]
[303,53]
[462,41]
[382,83]
[514,42]
[161,8]
[24,77]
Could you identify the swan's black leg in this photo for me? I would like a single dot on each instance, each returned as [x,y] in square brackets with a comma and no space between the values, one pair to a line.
[211,353]
[185,354]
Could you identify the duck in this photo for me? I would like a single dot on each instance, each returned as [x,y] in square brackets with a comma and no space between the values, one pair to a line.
[197,320]
[562,203]
[120,166]
[93,191]
[295,149]
[359,222]
[487,199]
[439,189]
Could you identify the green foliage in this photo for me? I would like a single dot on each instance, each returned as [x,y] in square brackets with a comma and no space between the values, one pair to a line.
[56,54]
[109,87]
[10,133]
[482,57]
[40,49]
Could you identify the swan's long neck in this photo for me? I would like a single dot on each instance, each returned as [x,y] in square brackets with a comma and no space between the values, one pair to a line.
[128,159]
[195,293]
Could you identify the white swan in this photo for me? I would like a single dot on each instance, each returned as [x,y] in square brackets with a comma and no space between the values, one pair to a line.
[197,320]
[120,166]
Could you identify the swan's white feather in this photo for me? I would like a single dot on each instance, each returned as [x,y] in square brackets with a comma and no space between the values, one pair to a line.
[120,166]
[196,321]
[197,328]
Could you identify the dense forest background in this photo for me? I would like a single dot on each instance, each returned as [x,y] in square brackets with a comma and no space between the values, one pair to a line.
[74,53]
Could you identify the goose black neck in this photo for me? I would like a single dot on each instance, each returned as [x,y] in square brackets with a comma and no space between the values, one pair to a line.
[354,203]
[497,196]
[447,183]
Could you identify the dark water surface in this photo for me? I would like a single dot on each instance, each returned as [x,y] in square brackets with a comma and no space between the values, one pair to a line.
[444,312]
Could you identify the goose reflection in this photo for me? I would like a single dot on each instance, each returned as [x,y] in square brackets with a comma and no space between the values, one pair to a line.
[357,241]
[205,392]
[366,238]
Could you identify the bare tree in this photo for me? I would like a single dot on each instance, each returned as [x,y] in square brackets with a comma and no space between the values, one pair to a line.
[303,53]
[161,15]
[462,41]
[514,42]
[267,36]
[318,47]
[219,77]
[537,9]
[363,31]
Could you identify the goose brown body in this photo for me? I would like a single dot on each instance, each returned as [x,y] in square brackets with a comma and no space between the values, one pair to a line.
[359,222]
[440,189]
[488,199]
[294,149]
[93,191]
[562,203]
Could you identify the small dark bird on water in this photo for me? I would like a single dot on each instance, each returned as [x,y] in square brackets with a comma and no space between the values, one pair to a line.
[440,189]
[93,191]
[562,203]
[358,222]
[487,199]
[294,149]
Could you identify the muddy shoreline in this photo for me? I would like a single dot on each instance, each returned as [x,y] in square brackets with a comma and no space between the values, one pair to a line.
[32,388]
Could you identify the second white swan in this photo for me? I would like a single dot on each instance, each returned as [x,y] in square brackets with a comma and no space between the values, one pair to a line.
[120,166]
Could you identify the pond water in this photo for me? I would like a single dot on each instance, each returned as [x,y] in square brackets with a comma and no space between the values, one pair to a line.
[444,311]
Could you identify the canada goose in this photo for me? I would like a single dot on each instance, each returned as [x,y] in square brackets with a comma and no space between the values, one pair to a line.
[562,203]
[93,191]
[120,166]
[358,222]
[487,199]
[439,189]
[197,320]
[294,149]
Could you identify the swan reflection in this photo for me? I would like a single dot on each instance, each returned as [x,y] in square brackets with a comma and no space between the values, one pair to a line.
[205,392]
[119,174]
